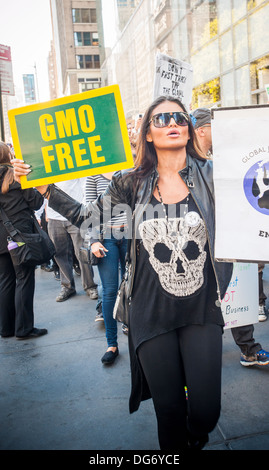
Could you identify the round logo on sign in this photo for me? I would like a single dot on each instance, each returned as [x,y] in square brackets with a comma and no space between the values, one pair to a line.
[256,186]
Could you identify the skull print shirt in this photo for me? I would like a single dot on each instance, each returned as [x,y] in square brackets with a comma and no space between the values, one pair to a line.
[174,283]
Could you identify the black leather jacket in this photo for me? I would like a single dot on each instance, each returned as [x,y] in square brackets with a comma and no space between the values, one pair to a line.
[198,175]
[18,205]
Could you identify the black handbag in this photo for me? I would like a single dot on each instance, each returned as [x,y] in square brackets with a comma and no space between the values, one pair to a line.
[123,302]
[87,256]
[33,248]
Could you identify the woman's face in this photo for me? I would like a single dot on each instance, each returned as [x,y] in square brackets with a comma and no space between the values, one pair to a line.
[172,137]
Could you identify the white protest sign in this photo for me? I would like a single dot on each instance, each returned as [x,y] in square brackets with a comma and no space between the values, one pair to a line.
[241,179]
[240,304]
[173,77]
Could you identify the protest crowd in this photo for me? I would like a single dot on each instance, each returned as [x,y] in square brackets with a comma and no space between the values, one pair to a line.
[61,209]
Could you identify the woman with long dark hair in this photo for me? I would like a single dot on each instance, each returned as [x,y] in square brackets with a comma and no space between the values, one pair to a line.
[17,284]
[175,285]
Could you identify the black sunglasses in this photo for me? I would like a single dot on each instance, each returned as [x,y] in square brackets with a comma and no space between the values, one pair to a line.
[163,119]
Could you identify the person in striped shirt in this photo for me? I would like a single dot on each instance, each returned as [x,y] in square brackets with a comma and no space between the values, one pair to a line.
[109,246]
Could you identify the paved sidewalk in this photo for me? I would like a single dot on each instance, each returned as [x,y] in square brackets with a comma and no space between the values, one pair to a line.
[57,395]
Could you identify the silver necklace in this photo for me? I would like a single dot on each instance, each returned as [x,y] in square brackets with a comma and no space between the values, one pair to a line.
[186,204]
[183,229]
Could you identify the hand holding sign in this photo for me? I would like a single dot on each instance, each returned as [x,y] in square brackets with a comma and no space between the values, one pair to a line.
[20,169]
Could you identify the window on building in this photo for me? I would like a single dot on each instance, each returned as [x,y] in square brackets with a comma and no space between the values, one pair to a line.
[93,15]
[204,23]
[240,43]
[259,77]
[242,86]
[76,15]
[86,84]
[226,51]
[88,61]
[253,3]
[259,32]
[94,39]
[224,14]
[205,68]
[78,39]
[96,62]
[227,89]
[79,59]
[84,15]
[207,94]
[239,9]
[85,39]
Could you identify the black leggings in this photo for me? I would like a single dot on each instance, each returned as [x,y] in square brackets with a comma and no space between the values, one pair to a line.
[189,356]
[17,286]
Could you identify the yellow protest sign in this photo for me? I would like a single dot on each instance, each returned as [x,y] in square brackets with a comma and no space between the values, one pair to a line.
[72,137]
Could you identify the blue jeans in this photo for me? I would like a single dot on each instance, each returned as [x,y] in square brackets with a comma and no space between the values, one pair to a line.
[108,268]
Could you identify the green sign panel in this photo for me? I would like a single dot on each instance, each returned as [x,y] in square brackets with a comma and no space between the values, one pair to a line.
[72,137]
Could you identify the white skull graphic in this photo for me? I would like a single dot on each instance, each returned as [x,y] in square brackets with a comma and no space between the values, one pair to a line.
[180,266]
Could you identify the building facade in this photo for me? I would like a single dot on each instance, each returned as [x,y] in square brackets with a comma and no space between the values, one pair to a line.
[75,47]
[225,41]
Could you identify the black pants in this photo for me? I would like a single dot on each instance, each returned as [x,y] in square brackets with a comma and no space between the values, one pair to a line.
[262,296]
[243,336]
[16,298]
[189,356]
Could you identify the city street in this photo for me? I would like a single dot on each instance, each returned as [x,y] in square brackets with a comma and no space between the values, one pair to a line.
[93,87]
[57,395]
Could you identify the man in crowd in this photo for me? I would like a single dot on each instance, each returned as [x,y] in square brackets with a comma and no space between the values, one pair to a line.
[64,234]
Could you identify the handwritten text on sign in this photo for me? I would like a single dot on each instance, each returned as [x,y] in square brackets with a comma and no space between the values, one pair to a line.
[173,77]
[240,303]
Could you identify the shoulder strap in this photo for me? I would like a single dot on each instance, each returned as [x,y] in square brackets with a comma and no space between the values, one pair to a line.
[8,225]
[127,257]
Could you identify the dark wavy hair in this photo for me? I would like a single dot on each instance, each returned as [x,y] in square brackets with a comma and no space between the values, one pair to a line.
[146,157]
[8,174]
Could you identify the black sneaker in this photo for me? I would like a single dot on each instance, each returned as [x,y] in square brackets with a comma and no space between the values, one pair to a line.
[35,333]
[110,356]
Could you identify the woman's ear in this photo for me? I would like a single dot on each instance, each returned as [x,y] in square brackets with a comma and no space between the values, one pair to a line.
[148,137]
